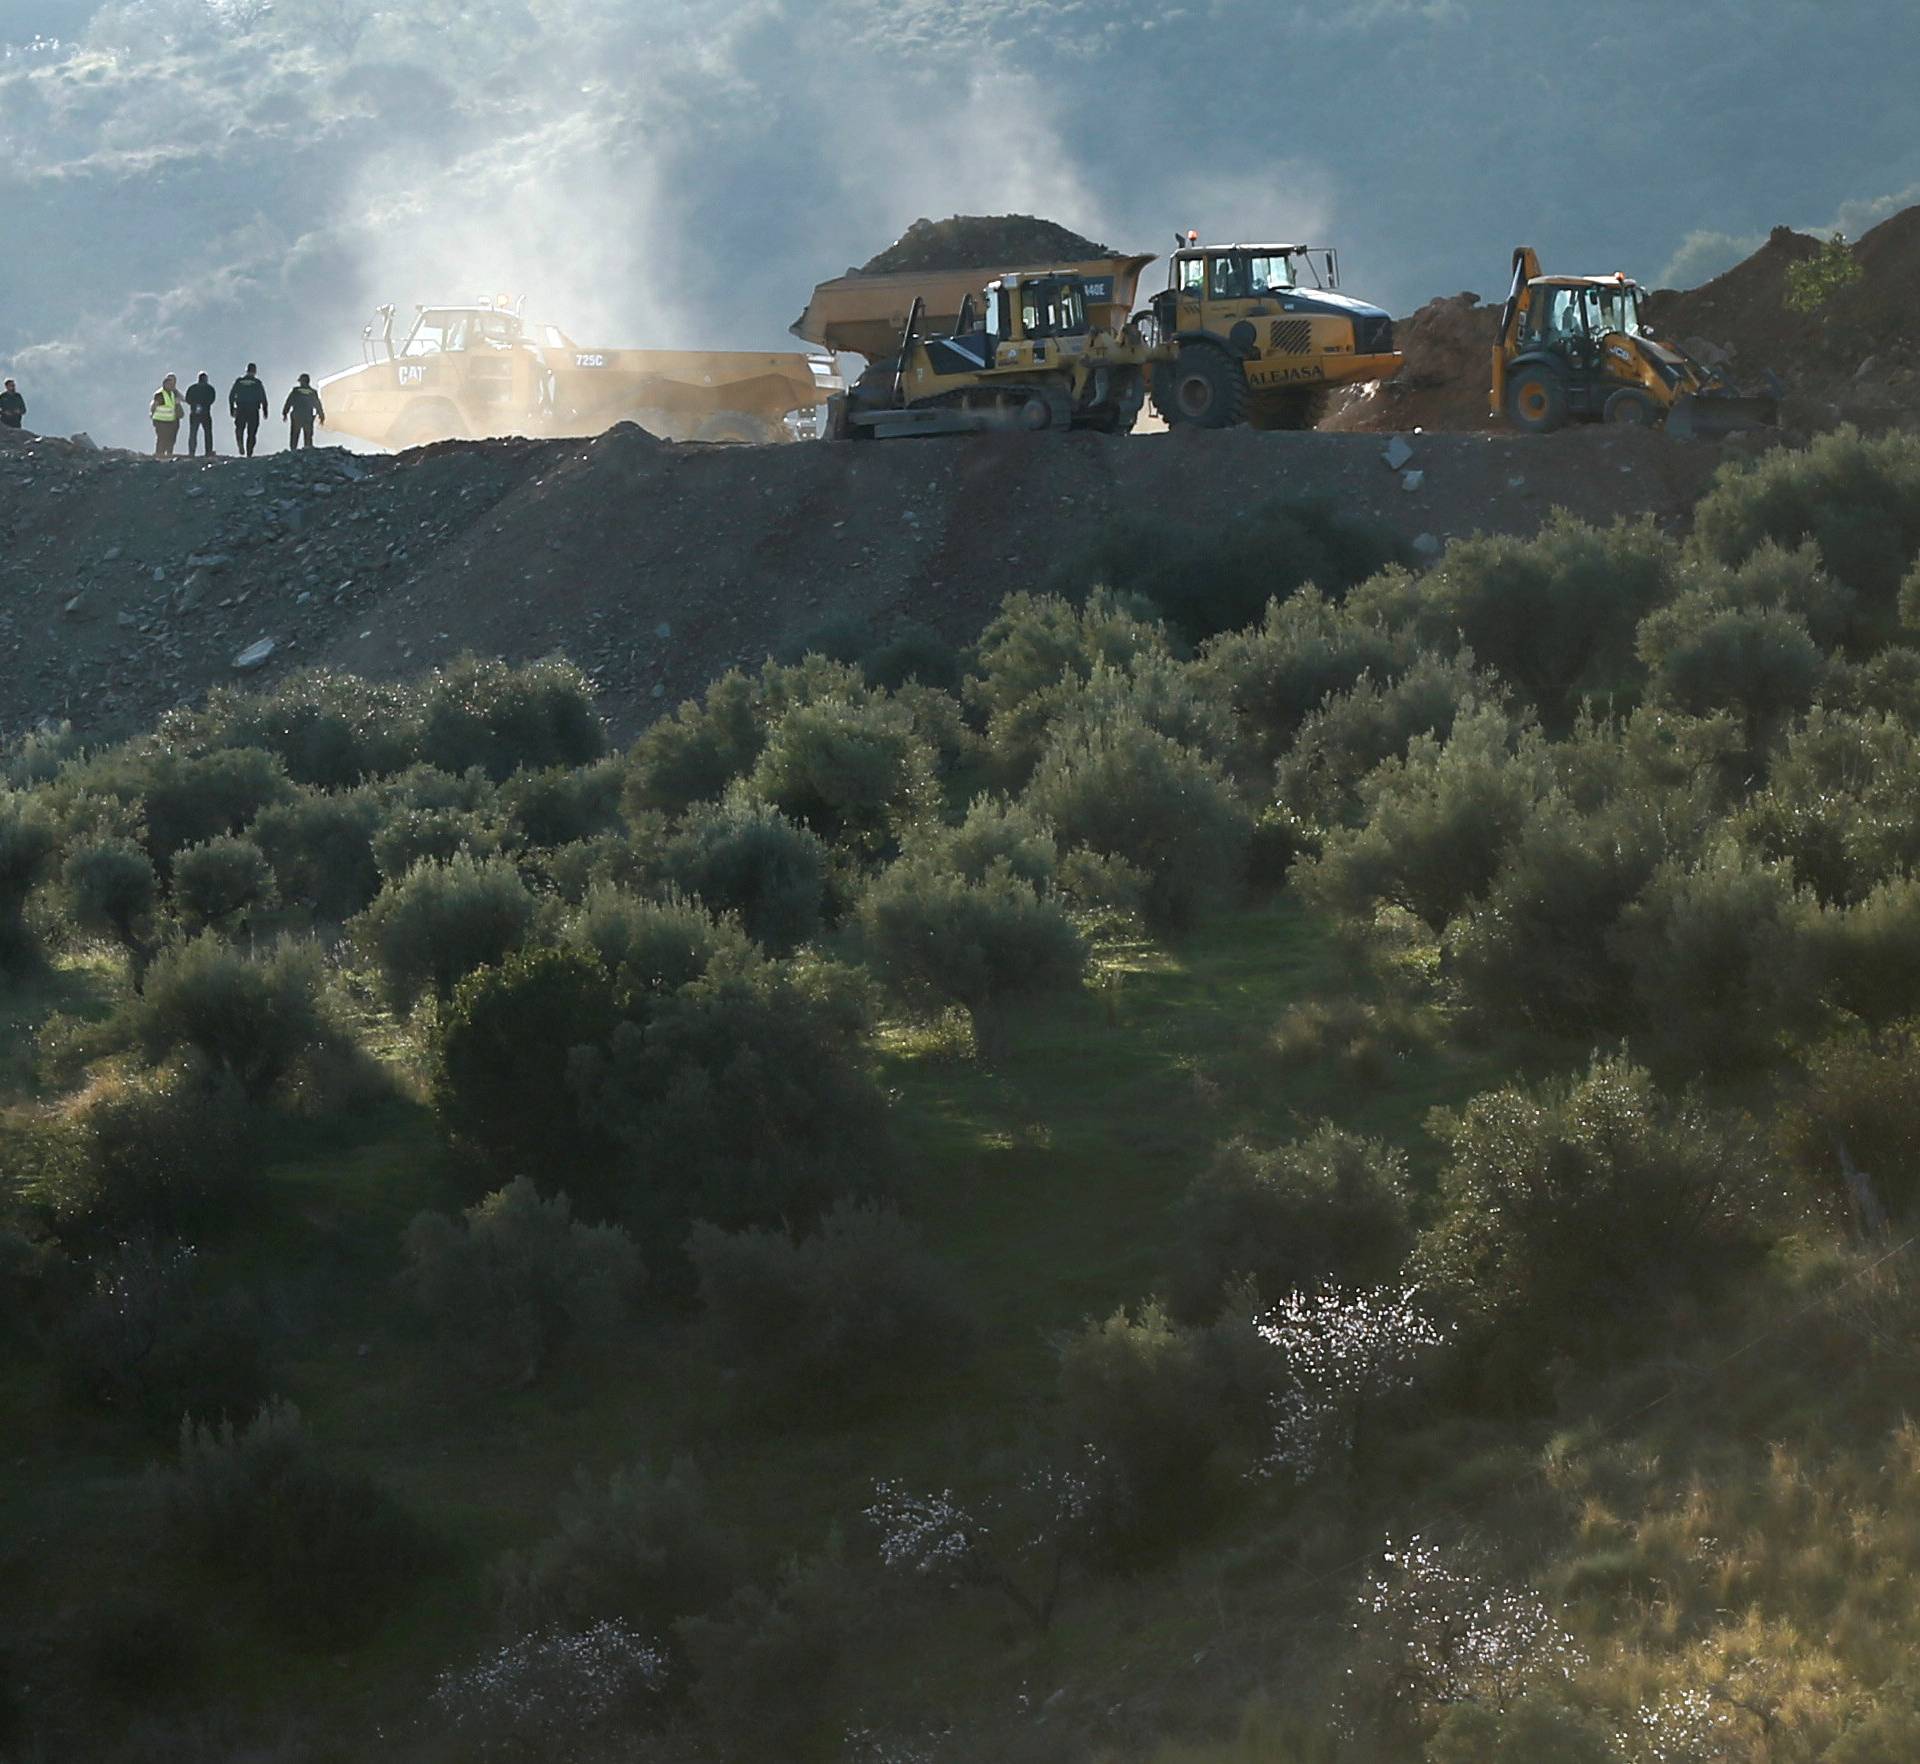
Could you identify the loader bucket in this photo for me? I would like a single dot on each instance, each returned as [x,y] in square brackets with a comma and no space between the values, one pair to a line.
[1704,416]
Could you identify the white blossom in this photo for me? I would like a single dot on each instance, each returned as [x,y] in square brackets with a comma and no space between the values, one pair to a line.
[1343,1350]
[543,1687]
[1684,1727]
[924,1533]
[1453,1636]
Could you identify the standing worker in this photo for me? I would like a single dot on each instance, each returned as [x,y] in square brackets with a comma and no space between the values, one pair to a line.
[200,397]
[303,405]
[247,404]
[13,408]
[165,411]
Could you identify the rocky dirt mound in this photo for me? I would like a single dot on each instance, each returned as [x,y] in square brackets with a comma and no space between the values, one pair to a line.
[129,585]
[1856,360]
[964,240]
[1448,344]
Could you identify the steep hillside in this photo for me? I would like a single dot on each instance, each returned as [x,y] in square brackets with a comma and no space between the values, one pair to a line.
[129,585]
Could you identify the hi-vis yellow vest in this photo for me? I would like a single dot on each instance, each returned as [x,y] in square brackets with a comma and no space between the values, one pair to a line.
[168,409]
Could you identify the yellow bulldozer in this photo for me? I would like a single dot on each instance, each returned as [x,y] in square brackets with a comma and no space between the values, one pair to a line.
[1575,349]
[1260,334]
[484,370]
[1022,355]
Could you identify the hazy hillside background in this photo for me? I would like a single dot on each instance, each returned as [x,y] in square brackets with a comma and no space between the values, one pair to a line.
[185,183]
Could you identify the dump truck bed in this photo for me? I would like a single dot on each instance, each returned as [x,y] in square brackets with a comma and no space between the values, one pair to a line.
[864,314]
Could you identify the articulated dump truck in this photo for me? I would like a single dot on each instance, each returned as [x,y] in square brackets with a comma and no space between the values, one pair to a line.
[1243,333]
[485,371]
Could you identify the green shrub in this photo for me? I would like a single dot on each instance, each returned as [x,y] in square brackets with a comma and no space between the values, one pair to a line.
[1841,804]
[1719,949]
[768,1665]
[182,798]
[165,1156]
[1035,652]
[321,848]
[329,730]
[1868,955]
[911,654]
[147,1340]
[1534,1730]
[994,833]
[1126,791]
[505,1042]
[743,857]
[409,837]
[1851,1126]
[1223,578]
[321,1553]
[1857,499]
[559,804]
[1161,1412]
[1170,696]
[1539,948]
[1318,777]
[253,1018]
[112,890]
[27,842]
[520,1283]
[439,922]
[1759,663]
[644,1548]
[984,945]
[1437,824]
[1573,1207]
[745,1098]
[693,755]
[37,757]
[1553,615]
[485,713]
[855,774]
[853,1311]
[1260,1223]
[1813,281]
[216,885]
[651,948]
[1275,675]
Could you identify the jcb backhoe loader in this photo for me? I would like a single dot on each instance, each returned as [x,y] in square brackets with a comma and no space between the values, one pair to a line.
[1260,334]
[1024,356]
[1574,348]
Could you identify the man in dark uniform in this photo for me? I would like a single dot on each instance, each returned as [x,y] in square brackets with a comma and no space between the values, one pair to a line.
[13,408]
[200,396]
[302,406]
[247,404]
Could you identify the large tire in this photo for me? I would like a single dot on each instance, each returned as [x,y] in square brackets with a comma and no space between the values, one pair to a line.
[739,428]
[1536,399]
[1631,408]
[1204,386]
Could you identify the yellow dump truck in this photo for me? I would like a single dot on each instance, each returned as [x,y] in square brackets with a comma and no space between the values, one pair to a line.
[861,314]
[484,371]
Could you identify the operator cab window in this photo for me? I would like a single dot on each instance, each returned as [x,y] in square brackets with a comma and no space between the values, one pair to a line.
[997,327]
[1616,310]
[495,328]
[1227,278]
[1559,314]
[1193,276]
[1272,275]
[435,333]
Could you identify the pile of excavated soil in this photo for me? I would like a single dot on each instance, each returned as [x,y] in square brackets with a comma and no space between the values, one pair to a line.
[1856,360]
[130,585]
[964,241]
[1448,345]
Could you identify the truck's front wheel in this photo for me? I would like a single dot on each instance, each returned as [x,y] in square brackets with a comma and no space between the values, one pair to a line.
[1203,386]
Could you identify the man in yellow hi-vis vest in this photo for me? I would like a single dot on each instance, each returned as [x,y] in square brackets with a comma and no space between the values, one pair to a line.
[166,411]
